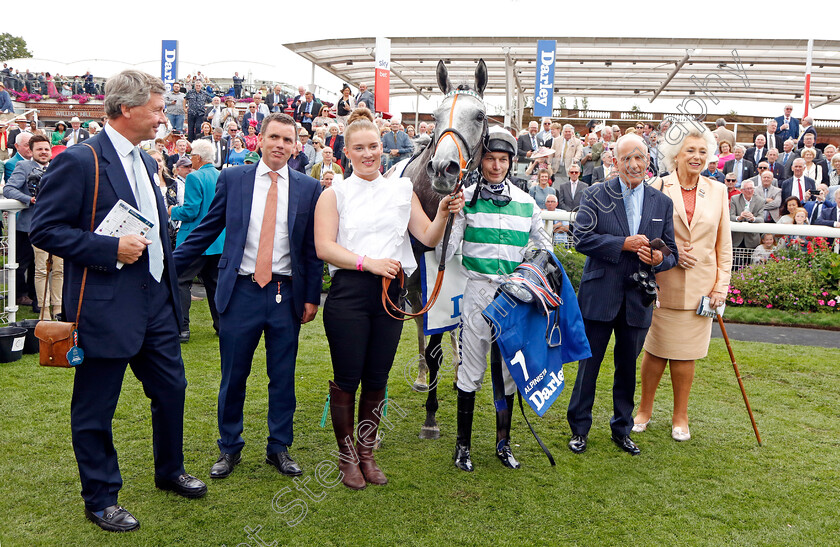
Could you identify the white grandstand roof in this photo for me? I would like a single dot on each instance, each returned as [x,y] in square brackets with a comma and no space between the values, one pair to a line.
[772,70]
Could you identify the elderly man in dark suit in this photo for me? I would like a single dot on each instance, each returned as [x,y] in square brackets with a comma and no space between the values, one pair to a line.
[75,134]
[570,193]
[269,282]
[787,127]
[798,185]
[253,113]
[528,143]
[131,313]
[615,224]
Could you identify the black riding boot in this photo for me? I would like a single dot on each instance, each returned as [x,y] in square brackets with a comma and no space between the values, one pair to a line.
[503,451]
[466,406]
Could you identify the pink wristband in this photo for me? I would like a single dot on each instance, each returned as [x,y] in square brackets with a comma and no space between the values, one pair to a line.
[359,263]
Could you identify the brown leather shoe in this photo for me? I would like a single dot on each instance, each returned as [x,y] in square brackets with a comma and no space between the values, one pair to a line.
[368,402]
[342,405]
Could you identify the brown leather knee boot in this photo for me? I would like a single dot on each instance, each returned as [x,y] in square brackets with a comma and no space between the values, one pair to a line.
[342,405]
[369,402]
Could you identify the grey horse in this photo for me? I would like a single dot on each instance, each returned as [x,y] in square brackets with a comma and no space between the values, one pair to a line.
[455,148]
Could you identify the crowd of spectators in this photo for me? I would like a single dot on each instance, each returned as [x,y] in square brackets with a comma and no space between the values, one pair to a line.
[196,112]
[48,84]
[781,177]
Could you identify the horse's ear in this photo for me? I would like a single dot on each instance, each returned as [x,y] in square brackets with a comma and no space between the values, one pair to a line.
[480,77]
[443,78]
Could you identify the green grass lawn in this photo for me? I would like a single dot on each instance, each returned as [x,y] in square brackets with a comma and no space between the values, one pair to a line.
[719,488]
[763,316]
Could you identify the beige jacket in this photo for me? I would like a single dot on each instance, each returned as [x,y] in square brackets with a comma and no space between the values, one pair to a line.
[709,234]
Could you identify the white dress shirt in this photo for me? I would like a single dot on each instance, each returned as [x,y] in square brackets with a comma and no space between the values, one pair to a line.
[124,148]
[281,260]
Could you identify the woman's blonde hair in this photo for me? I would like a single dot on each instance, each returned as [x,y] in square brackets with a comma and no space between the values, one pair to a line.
[361,119]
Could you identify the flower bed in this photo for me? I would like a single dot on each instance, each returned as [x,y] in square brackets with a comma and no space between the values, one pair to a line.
[792,280]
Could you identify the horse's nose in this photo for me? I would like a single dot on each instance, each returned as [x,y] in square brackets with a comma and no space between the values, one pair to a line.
[441,168]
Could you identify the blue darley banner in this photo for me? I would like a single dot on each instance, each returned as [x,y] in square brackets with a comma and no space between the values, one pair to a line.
[169,63]
[544,90]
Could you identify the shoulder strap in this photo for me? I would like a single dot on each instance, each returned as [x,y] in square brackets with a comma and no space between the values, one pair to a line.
[92,224]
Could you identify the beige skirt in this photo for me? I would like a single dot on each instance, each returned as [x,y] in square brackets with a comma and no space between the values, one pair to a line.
[678,334]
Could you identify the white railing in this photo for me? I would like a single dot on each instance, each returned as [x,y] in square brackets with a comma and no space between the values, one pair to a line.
[739,256]
[9,207]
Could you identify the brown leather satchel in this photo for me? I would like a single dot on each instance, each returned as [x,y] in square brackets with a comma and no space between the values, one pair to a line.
[59,339]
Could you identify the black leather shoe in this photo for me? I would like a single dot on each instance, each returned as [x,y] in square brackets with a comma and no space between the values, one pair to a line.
[578,443]
[114,519]
[284,464]
[504,454]
[186,485]
[184,337]
[224,465]
[626,443]
[462,457]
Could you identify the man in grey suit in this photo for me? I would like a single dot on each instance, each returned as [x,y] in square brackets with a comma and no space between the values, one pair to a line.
[772,196]
[745,207]
[571,192]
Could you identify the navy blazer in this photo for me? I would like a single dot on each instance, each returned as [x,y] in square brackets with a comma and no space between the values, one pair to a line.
[828,215]
[600,230]
[116,309]
[246,120]
[787,189]
[231,209]
[791,132]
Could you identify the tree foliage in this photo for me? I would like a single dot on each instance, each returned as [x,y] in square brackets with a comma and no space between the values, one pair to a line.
[13,47]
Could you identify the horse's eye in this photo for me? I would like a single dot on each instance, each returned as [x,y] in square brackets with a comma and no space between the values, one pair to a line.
[479,116]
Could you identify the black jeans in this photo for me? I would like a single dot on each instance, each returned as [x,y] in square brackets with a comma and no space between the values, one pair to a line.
[25,274]
[207,266]
[363,338]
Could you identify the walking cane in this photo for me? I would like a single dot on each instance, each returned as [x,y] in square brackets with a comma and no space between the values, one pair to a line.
[738,376]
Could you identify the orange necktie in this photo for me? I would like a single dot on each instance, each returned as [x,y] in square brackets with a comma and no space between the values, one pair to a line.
[265,251]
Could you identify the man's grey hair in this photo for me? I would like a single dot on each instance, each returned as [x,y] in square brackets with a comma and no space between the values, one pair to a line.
[739,147]
[809,119]
[720,122]
[673,141]
[203,149]
[130,88]
[568,125]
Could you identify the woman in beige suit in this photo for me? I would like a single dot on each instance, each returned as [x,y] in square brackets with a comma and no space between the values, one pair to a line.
[677,334]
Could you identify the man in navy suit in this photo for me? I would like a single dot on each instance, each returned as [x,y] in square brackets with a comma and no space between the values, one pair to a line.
[614,226]
[269,281]
[798,185]
[130,313]
[252,114]
[787,127]
[830,214]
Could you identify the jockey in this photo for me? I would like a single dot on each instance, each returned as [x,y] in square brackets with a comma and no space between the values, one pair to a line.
[497,224]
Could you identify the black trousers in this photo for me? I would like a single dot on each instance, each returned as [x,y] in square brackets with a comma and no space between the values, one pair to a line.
[207,266]
[25,274]
[194,122]
[363,338]
[628,345]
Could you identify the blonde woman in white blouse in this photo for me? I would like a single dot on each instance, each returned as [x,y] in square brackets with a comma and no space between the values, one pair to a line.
[362,227]
[812,170]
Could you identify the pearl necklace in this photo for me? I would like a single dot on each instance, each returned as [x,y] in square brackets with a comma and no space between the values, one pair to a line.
[688,189]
